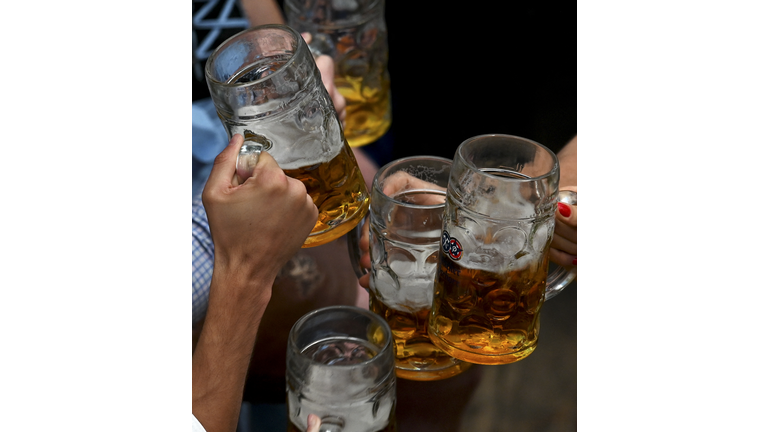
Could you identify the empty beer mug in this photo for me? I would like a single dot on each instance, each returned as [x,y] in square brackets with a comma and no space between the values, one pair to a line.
[354,34]
[406,221]
[340,367]
[265,86]
[492,270]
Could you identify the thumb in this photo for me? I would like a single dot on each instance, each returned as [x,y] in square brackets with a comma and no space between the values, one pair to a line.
[224,165]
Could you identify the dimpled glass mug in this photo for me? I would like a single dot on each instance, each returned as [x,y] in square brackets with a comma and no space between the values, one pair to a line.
[265,86]
[354,34]
[405,227]
[492,271]
[340,367]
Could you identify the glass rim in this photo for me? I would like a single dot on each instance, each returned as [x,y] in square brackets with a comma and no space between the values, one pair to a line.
[507,180]
[376,184]
[296,36]
[362,16]
[388,343]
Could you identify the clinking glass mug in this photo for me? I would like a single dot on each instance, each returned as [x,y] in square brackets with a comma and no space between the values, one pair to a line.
[265,86]
[354,34]
[405,226]
[340,367]
[492,274]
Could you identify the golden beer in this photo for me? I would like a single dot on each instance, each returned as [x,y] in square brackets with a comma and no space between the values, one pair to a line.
[484,317]
[414,352]
[368,109]
[492,273]
[338,190]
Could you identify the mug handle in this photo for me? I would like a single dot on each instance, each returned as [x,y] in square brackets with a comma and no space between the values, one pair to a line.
[561,278]
[353,246]
[247,159]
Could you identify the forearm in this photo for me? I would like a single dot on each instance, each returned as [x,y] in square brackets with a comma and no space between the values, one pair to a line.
[223,353]
[261,12]
[567,157]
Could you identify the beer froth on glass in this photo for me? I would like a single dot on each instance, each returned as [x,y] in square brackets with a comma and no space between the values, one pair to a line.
[492,276]
[265,86]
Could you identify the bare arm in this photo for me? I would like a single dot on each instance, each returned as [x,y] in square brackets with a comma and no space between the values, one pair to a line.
[261,12]
[222,356]
[247,258]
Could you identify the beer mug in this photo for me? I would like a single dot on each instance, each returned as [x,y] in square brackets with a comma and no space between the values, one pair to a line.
[405,227]
[265,86]
[492,274]
[354,34]
[340,367]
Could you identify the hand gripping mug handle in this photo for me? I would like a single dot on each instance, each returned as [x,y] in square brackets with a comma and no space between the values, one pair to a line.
[561,278]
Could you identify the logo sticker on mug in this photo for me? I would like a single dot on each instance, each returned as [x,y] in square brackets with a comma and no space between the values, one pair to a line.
[451,246]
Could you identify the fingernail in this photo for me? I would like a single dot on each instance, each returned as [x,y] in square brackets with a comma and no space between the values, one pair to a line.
[574,261]
[564,209]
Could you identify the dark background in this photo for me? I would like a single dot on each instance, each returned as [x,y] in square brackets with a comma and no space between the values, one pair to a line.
[484,67]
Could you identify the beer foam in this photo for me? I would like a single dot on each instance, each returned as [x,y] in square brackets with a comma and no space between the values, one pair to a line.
[481,195]
[303,135]
[505,249]
[306,151]
[408,288]
[494,260]
[505,207]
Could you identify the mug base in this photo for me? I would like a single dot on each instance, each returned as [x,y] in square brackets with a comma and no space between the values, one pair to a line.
[482,358]
[432,374]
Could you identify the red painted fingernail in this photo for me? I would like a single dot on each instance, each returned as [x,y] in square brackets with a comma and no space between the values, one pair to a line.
[564,209]
[574,261]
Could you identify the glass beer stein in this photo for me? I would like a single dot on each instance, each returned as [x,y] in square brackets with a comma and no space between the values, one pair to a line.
[492,269]
[265,86]
[405,227]
[354,34]
[340,367]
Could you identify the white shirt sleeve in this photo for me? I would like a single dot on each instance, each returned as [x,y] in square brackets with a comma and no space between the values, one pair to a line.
[196,426]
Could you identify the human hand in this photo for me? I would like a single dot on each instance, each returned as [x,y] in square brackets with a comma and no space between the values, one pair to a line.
[313,423]
[401,181]
[327,72]
[251,234]
[562,251]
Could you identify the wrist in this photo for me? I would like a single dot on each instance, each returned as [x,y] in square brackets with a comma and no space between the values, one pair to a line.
[244,268]
[238,291]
